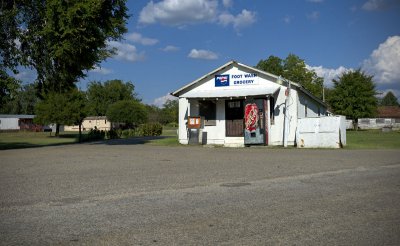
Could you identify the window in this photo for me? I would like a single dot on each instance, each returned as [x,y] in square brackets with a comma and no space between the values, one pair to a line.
[272,110]
[208,110]
[305,110]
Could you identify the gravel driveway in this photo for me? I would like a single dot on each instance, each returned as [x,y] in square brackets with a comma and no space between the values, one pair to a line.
[122,193]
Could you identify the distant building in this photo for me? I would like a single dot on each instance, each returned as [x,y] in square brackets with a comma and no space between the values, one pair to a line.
[387,117]
[92,122]
[14,122]
[389,112]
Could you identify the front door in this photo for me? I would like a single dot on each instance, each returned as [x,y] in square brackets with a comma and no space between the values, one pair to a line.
[234,118]
[255,121]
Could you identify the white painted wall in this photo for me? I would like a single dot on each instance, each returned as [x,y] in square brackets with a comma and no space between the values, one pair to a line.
[9,124]
[321,132]
[276,132]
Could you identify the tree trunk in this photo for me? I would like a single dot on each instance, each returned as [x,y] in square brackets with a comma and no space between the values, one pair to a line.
[355,124]
[57,130]
[80,131]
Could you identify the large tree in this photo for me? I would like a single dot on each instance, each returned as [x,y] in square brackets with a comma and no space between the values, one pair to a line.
[353,95]
[102,95]
[389,100]
[60,39]
[129,112]
[294,69]
[67,108]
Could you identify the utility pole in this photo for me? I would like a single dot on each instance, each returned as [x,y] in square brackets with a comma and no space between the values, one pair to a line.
[286,129]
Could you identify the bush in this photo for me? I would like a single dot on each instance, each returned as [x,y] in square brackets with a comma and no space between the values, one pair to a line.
[149,129]
[95,134]
[112,134]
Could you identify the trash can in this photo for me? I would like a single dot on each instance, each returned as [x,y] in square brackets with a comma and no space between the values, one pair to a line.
[194,136]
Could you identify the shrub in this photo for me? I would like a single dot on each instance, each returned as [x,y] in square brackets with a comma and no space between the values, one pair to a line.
[112,134]
[149,129]
[95,134]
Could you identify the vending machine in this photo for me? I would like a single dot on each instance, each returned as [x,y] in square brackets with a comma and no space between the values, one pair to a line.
[255,121]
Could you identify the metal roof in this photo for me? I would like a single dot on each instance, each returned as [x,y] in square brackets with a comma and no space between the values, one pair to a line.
[18,116]
[183,91]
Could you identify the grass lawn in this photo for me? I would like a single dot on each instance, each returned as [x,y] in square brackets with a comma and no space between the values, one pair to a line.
[373,139]
[24,139]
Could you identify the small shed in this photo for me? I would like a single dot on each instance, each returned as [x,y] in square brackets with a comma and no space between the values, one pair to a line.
[240,105]
[9,122]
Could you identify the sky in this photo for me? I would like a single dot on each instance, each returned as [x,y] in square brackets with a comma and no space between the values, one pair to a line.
[171,43]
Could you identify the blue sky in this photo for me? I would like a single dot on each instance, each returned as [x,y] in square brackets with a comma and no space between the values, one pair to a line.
[173,42]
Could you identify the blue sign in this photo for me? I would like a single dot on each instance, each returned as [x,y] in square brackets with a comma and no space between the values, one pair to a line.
[222,80]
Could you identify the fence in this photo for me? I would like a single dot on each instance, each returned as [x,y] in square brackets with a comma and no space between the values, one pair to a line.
[375,123]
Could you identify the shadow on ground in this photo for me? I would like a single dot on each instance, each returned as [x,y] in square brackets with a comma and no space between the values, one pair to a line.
[129,141]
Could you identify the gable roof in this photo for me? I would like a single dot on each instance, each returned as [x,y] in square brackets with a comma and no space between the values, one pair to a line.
[272,77]
[389,112]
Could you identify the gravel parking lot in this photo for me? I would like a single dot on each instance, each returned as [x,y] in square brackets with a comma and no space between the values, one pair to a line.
[119,192]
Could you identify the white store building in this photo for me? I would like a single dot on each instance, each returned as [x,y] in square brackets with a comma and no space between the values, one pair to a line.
[240,105]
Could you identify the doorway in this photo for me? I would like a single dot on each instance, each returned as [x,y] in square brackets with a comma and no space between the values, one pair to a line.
[234,114]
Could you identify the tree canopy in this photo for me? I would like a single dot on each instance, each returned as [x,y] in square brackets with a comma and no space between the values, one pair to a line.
[102,95]
[353,95]
[294,69]
[129,112]
[59,39]
[389,100]
[68,108]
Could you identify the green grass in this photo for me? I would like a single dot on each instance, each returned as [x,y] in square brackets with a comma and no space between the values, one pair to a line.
[373,139]
[25,139]
[16,140]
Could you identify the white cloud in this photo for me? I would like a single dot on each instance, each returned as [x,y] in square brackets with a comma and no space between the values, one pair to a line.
[126,52]
[287,19]
[101,70]
[160,101]
[202,54]
[170,48]
[181,13]
[244,19]
[373,5]
[328,73]
[138,38]
[384,62]
[382,93]
[174,12]
[227,3]
[313,16]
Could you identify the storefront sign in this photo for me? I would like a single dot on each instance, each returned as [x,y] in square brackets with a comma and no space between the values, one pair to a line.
[239,79]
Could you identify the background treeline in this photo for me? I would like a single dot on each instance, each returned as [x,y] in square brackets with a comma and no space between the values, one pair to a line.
[115,99]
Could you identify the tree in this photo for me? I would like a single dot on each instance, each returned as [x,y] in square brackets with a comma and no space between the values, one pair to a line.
[68,108]
[101,96]
[8,90]
[353,95]
[129,112]
[293,68]
[153,113]
[60,39]
[170,111]
[389,100]
[23,102]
